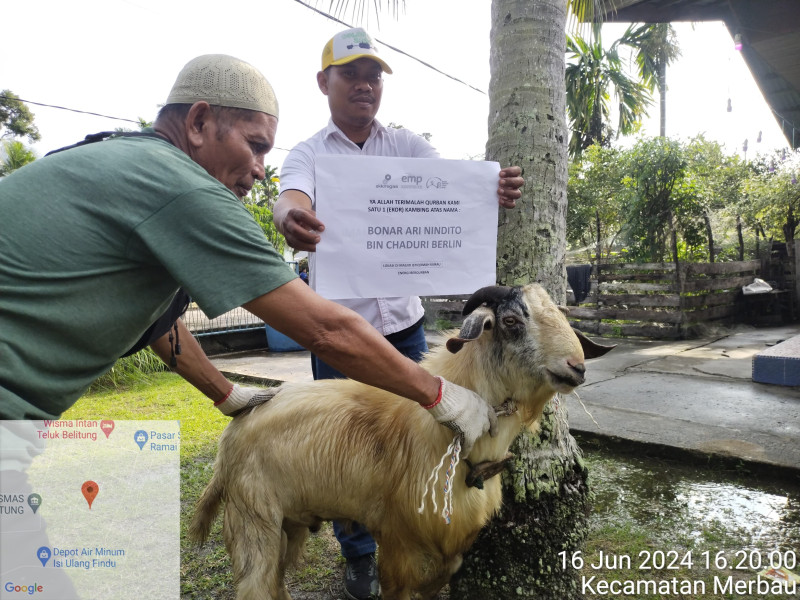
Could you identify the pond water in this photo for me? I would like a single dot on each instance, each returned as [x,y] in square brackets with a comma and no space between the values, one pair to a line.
[692,503]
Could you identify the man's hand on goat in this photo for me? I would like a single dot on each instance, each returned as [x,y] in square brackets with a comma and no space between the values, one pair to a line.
[463,411]
[240,398]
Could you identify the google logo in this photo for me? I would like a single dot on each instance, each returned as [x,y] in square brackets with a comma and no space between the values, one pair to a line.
[23,589]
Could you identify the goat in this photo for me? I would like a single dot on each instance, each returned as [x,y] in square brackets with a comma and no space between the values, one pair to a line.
[339,449]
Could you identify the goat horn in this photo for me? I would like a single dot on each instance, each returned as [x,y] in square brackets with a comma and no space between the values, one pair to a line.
[491,294]
[592,349]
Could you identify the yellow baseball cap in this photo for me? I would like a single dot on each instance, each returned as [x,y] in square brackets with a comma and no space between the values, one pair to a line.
[349,45]
[223,80]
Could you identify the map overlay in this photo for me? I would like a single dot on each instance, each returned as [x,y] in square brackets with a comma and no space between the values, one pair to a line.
[89,510]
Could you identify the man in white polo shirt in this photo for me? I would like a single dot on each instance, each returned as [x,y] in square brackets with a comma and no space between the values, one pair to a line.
[352,79]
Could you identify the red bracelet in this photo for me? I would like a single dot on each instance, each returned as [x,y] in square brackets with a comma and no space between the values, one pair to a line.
[438,397]
[230,391]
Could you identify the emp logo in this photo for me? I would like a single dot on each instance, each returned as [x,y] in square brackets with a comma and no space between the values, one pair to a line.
[415,179]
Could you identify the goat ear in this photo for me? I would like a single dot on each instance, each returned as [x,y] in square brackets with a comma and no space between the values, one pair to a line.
[474,325]
[592,349]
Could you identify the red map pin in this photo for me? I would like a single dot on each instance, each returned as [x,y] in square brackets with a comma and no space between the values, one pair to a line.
[107,426]
[89,489]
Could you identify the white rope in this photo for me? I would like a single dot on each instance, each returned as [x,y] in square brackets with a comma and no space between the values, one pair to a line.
[455,457]
[435,477]
[454,451]
[586,410]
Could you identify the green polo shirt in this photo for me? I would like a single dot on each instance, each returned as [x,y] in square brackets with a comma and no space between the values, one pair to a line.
[94,242]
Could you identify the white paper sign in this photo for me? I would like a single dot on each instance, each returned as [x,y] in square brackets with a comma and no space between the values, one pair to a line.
[405,226]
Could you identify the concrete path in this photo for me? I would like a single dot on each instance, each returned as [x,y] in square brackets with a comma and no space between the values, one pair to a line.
[695,395]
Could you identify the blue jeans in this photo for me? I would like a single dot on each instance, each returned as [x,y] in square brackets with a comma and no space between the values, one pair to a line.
[358,541]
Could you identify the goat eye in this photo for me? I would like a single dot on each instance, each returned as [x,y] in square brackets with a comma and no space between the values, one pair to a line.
[510,321]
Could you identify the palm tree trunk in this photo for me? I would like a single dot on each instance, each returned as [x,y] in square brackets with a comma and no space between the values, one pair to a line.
[599,255]
[758,247]
[545,496]
[662,94]
[709,237]
[546,503]
[740,237]
[527,127]
[790,226]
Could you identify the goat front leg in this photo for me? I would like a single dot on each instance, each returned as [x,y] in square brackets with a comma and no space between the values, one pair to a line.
[395,594]
[395,580]
[430,590]
[410,572]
